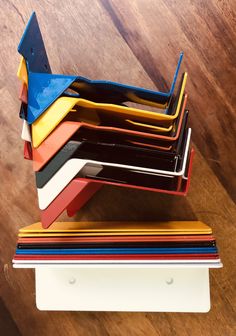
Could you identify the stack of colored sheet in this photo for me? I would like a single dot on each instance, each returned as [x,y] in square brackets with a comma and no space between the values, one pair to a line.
[178,243]
[82,133]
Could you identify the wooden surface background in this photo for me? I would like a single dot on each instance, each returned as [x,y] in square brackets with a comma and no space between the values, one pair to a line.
[135,42]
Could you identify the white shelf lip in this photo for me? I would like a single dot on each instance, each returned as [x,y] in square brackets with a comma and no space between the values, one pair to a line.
[164,288]
[123,289]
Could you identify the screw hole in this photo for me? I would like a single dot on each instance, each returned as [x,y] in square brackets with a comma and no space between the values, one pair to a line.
[72,281]
[32,51]
[169,281]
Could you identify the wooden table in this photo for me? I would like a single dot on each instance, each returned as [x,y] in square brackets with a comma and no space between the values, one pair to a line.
[135,42]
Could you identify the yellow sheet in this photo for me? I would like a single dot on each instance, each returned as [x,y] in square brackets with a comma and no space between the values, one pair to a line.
[147,127]
[22,73]
[171,227]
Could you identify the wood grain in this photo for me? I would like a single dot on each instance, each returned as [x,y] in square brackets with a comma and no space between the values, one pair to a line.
[135,42]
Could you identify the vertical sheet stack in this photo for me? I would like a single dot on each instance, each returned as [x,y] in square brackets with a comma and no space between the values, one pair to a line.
[82,133]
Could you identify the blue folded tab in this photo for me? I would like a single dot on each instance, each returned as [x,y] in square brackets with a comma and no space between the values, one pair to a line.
[32,48]
[43,90]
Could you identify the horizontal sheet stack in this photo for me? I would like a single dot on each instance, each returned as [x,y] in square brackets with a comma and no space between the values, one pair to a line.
[82,133]
[118,242]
